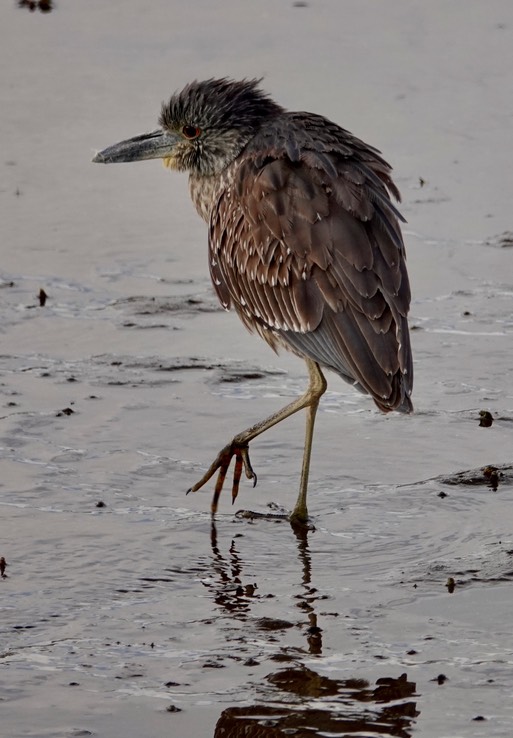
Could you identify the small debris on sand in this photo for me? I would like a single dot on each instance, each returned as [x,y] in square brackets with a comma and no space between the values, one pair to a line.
[485,419]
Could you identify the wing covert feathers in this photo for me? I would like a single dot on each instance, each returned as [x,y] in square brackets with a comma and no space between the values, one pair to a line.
[305,244]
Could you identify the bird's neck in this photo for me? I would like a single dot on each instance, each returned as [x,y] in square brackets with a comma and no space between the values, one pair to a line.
[204,192]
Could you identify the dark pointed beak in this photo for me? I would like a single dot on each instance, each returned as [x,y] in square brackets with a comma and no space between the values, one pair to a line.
[155,145]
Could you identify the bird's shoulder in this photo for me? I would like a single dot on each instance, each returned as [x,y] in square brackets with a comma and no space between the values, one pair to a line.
[315,190]
[315,141]
[301,168]
[306,213]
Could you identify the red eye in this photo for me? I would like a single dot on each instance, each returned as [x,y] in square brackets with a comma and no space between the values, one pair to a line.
[191,132]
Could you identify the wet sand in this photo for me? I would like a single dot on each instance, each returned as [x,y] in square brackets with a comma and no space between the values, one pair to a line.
[124,611]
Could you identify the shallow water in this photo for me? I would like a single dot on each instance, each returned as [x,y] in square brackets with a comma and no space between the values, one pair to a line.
[124,611]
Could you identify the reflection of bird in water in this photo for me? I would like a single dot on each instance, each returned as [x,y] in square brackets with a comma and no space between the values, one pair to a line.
[304,243]
[340,708]
[238,598]
[310,595]
[226,584]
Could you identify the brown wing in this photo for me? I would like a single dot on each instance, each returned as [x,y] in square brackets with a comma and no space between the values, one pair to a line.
[305,244]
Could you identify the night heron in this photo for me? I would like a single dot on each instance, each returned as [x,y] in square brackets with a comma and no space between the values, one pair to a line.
[304,243]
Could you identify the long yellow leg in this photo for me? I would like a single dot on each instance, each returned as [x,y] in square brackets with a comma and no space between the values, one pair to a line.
[238,447]
[300,511]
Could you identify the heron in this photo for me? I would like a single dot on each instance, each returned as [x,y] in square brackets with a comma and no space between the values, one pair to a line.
[304,243]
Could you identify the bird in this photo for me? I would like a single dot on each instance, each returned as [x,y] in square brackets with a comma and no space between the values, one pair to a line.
[304,243]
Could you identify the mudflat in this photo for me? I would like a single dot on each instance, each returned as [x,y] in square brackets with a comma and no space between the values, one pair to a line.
[125,610]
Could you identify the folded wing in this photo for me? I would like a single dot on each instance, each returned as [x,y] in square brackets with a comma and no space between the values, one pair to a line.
[305,244]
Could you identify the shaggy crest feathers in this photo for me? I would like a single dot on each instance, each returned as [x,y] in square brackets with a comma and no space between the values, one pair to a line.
[220,104]
[227,114]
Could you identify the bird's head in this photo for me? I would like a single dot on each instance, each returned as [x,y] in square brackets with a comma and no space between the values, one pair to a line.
[202,128]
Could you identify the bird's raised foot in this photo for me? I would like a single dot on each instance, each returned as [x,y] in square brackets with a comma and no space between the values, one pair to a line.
[221,465]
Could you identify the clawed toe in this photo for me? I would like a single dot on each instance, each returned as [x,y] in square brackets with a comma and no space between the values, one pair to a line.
[221,465]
